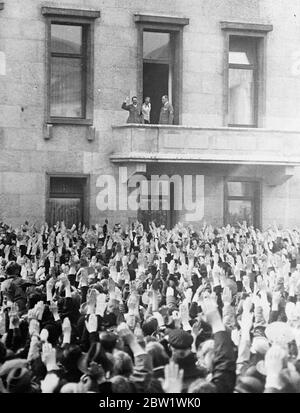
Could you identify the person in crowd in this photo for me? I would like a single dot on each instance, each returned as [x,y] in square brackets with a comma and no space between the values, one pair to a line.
[146,110]
[111,309]
[134,109]
[167,112]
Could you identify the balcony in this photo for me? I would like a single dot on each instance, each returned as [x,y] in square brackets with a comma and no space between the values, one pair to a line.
[160,143]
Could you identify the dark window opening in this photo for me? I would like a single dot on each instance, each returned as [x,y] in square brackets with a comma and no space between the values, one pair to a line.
[66,202]
[242,203]
[161,70]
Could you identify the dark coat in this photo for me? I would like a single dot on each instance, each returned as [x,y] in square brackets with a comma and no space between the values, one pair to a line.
[166,114]
[223,375]
[135,115]
[190,369]
[224,367]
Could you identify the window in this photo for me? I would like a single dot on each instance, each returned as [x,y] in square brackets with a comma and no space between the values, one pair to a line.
[242,81]
[68,74]
[160,62]
[158,69]
[67,200]
[244,73]
[242,202]
[70,65]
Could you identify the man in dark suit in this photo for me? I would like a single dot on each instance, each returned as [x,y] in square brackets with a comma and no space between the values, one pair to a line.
[166,112]
[134,109]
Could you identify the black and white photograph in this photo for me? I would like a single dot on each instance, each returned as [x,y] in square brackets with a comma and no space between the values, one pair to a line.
[149,200]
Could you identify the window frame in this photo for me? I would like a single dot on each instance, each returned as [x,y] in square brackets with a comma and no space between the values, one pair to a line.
[256,204]
[86,19]
[255,69]
[258,32]
[85,195]
[174,26]
[83,57]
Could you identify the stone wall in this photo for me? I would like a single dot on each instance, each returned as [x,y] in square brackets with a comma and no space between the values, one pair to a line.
[25,156]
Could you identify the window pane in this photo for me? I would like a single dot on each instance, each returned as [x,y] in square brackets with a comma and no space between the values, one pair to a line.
[66,39]
[245,189]
[156,46]
[239,211]
[66,185]
[241,97]
[66,86]
[242,50]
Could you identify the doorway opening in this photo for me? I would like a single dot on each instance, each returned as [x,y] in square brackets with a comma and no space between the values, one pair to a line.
[67,200]
[155,210]
[158,70]
[156,85]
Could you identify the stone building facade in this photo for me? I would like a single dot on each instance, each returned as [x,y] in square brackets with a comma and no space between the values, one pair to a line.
[230,67]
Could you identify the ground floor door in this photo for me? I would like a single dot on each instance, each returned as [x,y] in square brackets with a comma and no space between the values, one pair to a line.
[159,215]
[67,201]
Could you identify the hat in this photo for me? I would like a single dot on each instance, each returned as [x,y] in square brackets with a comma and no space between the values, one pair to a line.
[108,340]
[96,355]
[180,340]
[18,380]
[150,326]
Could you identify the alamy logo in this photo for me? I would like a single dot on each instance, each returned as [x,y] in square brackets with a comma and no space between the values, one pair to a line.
[138,192]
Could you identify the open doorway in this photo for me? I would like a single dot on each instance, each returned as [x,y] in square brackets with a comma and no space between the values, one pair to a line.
[156,84]
[158,66]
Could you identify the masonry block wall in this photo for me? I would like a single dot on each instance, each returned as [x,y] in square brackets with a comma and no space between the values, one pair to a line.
[26,157]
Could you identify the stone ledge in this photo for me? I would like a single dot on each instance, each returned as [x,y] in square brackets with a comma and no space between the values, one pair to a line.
[207,158]
[70,121]
[58,11]
[220,128]
[157,19]
[255,27]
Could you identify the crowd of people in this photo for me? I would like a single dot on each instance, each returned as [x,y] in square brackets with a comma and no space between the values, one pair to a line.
[112,309]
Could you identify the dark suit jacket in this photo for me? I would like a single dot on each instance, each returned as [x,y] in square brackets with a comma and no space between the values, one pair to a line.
[166,114]
[134,113]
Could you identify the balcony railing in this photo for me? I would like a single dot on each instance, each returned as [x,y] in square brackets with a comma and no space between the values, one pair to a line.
[160,143]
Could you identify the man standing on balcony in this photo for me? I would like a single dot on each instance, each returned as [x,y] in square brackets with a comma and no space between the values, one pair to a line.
[166,112]
[134,109]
